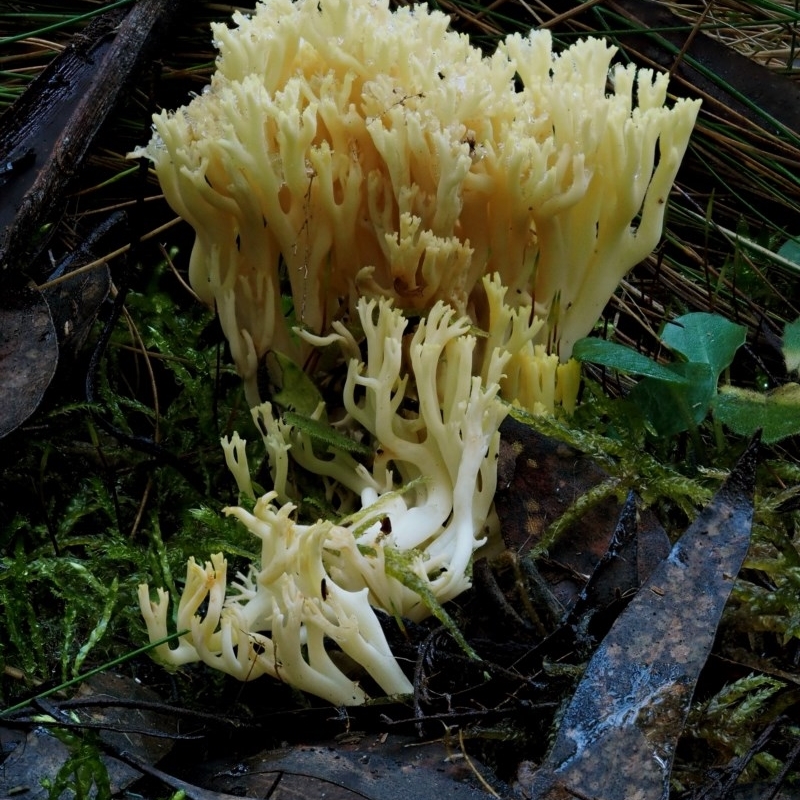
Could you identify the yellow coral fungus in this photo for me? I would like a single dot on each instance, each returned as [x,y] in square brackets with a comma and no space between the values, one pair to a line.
[351,149]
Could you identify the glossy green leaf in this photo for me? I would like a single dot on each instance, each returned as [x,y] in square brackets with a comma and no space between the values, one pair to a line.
[790,250]
[676,407]
[705,339]
[617,356]
[776,413]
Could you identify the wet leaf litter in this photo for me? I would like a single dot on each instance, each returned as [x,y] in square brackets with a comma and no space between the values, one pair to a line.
[620,730]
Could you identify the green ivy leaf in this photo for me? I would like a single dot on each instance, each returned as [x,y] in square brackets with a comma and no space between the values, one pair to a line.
[617,356]
[705,339]
[674,397]
[791,345]
[776,413]
[676,407]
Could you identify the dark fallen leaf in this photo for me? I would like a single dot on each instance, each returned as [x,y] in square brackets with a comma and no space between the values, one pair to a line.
[28,355]
[617,738]
[618,561]
[74,304]
[762,791]
[539,479]
[38,754]
[40,329]
[373,767]
[520,603]
[75,300]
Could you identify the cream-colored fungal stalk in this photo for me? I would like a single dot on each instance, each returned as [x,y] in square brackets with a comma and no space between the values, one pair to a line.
[293,598]
[426,497]
[600,208]
[532,378]
[344,149]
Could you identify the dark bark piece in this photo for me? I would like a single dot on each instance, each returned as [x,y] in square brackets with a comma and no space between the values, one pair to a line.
[617,738]
[46,134]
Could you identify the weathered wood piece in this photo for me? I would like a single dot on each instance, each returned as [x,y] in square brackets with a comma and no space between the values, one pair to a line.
[764,97]
[46,134]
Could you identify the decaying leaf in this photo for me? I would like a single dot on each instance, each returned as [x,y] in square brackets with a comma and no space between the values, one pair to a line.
[75,295]
[617,738]
[28,354]
[539,479]
[41,328]
[37,755]
[374,767]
